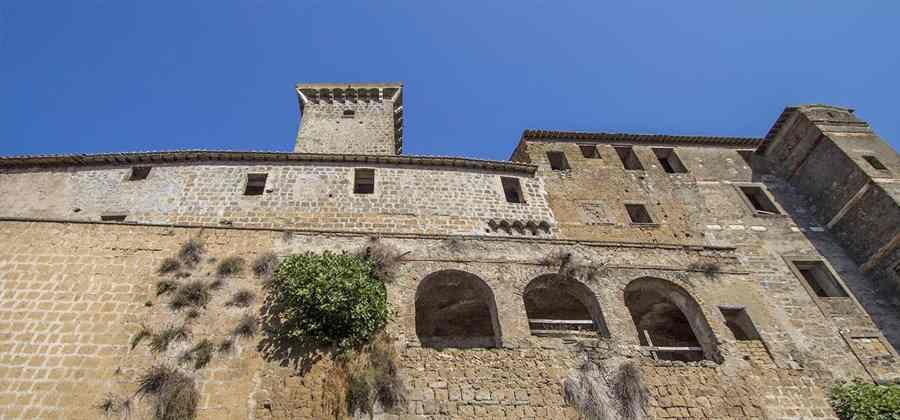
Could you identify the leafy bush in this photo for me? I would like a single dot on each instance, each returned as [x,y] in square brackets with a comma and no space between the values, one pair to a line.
[859,400]
[169,265]
[174,394]
[191,252]
[230,266]
[330,299]
[195,293]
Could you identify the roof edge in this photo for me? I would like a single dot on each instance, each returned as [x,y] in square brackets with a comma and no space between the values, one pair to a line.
[547,135]
[7,162]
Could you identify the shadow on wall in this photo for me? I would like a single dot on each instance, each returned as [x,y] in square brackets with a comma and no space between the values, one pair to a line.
[293,352]
[877,299]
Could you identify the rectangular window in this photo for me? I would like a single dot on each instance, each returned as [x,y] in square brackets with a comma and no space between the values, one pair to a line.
[629,159]
[558,161]
[759,200]
[589,151]
[819,278]
[512,188]
[669,161]
[139,172]
[737,320]
[875,163]
[113,217]
[256,184]
[638,214]
[747,155]
[363,181]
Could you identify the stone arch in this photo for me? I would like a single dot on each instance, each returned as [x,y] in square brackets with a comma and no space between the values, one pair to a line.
[671,317]
[557,297]
[456,309]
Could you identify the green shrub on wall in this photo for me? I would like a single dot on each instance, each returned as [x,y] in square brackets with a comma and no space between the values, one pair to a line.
[330,299]
[865,401]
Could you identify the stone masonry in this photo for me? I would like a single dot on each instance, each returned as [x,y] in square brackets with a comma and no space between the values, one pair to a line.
[741,276]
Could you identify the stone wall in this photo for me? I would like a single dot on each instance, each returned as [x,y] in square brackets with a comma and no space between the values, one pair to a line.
[300,196]
[704,206]
[75,294]
[325,129]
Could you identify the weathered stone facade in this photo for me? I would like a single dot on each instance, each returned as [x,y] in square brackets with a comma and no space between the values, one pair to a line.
[720,297]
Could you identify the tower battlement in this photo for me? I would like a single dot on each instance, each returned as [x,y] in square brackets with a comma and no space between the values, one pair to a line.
[360,118]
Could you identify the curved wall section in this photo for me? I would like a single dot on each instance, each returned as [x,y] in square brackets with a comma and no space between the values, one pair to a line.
[314,196]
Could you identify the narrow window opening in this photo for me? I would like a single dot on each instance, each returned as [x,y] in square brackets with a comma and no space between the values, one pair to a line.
[589,151]
[139,173]
[820,279]
[348,113]
[638,213]
[629,159]
[256,184]
[558,161]
[759,200]
[512,188]
[747,155]
[737,320]
[875,163]
[113,217]
[669,161]
[364,181]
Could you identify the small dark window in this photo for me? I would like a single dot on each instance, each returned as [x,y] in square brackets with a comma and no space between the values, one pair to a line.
[256,184]
[747,155]
[629,159]
[759,200]
[363,181]
[589,151]
[638,213]
[820,279]
[113,217]
[558,161]
[512,189]
[875,163]
[737,320]
[139,172]
[348,113]
[669,161]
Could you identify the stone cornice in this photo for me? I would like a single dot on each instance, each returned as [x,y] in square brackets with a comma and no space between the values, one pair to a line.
[189,156]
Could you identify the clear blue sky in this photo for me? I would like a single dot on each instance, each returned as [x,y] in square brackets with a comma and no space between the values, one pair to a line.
[115,75]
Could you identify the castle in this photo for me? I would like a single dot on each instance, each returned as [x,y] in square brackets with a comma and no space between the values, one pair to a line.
[742,276]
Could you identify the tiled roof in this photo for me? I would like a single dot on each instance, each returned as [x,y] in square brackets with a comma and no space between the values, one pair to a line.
[131,158]
[626,138]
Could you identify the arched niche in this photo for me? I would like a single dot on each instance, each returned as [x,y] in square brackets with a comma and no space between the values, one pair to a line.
[456,309]
[665,315]
[558,304]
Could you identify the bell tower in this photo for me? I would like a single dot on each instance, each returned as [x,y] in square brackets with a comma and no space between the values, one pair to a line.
[359,118]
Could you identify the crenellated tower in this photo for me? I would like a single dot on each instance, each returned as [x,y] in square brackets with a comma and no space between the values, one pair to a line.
[364,118]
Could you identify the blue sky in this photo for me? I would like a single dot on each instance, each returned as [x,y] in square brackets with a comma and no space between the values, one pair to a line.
[112,75]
